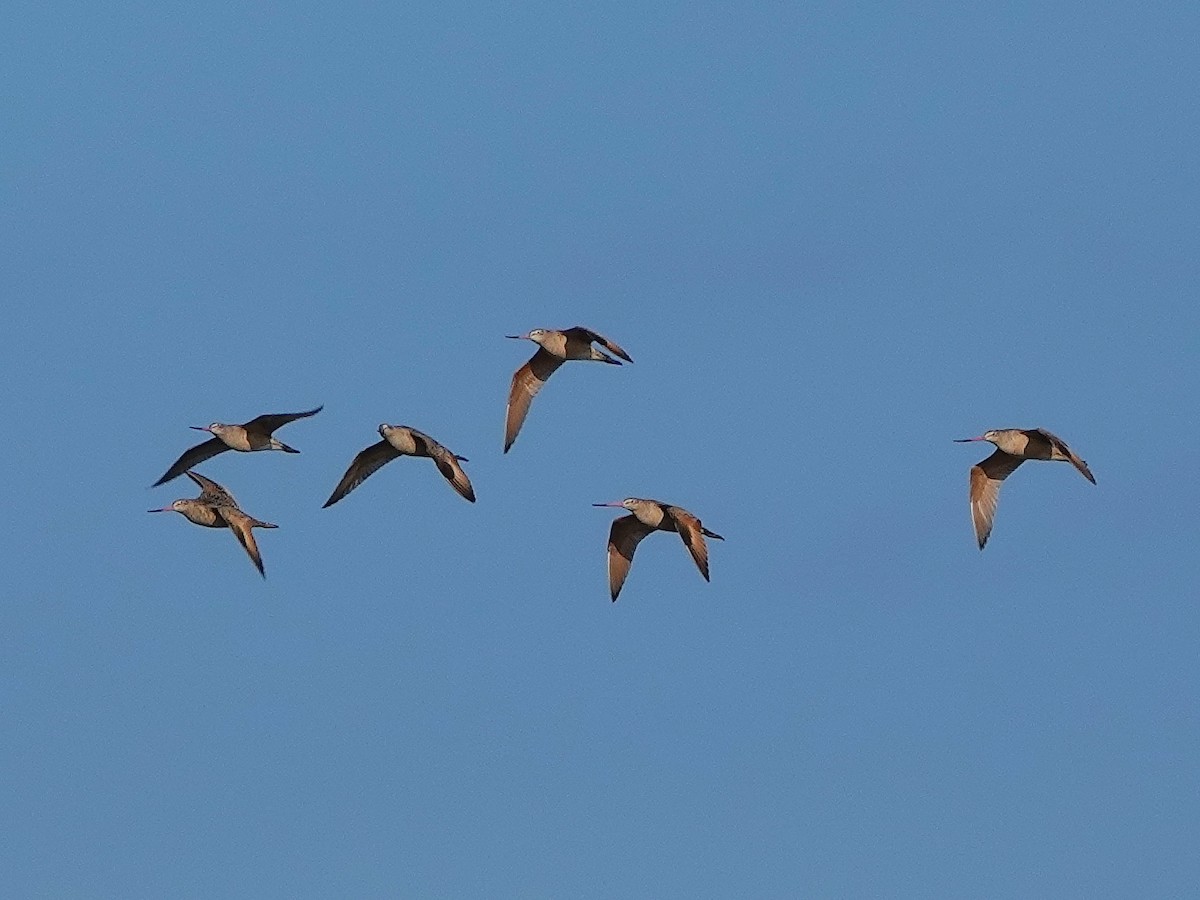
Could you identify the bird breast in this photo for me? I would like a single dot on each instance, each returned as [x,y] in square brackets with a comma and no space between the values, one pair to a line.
[202,514]
[402,440]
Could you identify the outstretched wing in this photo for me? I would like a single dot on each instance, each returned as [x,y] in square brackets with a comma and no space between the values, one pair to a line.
[586,334]
[240,524]
[267,423]
[986,478]
[193,457]
[692,533]
[447,463]
[526,383]
[362,466]
[624,536]
[211,492]
[1068,453]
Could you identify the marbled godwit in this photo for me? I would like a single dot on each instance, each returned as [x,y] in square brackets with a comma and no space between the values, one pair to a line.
[1013,447]
[252,435]
[648,516]
[554,348]
[216,508]
[399,440]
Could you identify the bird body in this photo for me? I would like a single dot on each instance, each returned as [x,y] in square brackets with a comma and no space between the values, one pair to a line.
[216,508]
[401,440]
[245,438]
[647,516]
[1013,447]
[554,348]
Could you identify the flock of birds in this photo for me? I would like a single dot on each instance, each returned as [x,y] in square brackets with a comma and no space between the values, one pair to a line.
[217,508]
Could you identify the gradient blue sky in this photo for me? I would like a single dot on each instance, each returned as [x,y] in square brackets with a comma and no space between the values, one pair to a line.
[833,237]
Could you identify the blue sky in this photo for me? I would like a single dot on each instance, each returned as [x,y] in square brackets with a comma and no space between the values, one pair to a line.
[833,237]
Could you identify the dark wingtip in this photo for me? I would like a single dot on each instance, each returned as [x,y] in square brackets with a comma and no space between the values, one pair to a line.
[328,503]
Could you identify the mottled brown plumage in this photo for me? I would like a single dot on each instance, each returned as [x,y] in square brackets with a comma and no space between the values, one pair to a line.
[400,440]
[246,438]
[647,516]
[1013,447]
[217,508]
[554,348]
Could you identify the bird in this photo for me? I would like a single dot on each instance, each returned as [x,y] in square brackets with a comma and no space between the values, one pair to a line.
[400,440]
[647,516]
[216,508]
[554,348]
[247,437]
[1013,447]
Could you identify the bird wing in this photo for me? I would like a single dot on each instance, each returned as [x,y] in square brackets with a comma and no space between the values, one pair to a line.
[586,334]
[265,424]
[624,536]
[1068,452]
[985,490]
[447,464]
[193,457]
[363,466]
[241,524]
[211,492]
[690,530]
[526,383]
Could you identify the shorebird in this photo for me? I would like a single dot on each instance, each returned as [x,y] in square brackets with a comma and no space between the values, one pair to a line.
[216,508]
[249,436]
[647,516]
[1013,447]
[554,348]
[400,440]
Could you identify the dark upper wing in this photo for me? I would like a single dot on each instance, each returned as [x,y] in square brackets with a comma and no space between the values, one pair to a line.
[689,529]
[240,524]
[986,478]
[526,382]
[1068,453]
[624,536]
[363,466]
[586,334]
[447,464]
[265,424]
[211,492]
[193,457]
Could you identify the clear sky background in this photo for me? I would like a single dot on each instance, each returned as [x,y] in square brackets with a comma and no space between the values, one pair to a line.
[832,236]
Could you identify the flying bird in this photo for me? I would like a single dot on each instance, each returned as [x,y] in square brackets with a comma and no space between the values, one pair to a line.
[1013,447]
[647,516]
[400,440]
[247,437]
[216,508]
[554,348]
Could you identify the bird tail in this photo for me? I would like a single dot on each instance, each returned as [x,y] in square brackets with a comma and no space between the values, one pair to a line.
[711,534]
[284,447]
